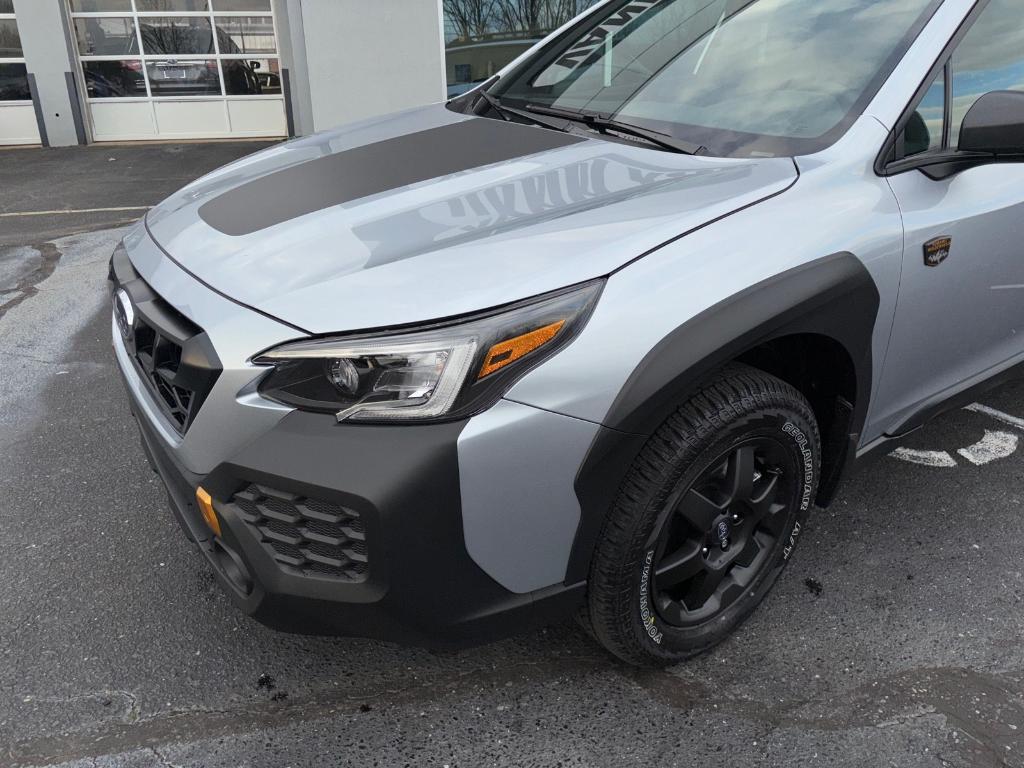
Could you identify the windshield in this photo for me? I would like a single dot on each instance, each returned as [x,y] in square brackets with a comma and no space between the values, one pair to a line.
[740,77]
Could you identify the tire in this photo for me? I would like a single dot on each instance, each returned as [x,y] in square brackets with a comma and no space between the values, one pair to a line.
[708,516]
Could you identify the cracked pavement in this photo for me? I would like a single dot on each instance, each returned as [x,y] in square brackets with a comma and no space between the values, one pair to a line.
[117,648]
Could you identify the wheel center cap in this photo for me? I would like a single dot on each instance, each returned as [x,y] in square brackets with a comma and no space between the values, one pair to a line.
[722,531]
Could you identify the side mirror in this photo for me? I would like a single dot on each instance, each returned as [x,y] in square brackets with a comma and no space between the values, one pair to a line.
[995,124]
[254,64]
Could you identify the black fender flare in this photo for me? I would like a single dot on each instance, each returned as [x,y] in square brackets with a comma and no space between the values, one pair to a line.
[834,296]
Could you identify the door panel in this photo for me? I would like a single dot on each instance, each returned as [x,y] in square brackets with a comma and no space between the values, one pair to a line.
[962,319]
[966,315]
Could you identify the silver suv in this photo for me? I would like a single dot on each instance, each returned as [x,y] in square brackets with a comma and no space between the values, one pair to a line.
[592,338]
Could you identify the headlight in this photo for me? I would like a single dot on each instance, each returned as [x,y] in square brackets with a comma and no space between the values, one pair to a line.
[443,371]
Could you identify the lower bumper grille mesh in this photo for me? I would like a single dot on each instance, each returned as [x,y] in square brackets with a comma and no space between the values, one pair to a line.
[307,536]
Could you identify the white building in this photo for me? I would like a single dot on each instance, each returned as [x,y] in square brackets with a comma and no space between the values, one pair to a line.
[83,71]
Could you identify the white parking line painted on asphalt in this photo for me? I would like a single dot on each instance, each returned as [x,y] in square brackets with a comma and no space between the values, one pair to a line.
[994,445]
[925,458]
[1006,418]
[75,210]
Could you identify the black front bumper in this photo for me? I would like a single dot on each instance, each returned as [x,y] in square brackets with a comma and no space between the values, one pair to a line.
[420,585]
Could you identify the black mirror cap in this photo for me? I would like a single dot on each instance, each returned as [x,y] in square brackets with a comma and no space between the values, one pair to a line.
[995,124]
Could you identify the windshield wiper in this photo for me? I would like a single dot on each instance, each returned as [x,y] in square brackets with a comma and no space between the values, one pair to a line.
[508,112]
[592,120]
[606,123]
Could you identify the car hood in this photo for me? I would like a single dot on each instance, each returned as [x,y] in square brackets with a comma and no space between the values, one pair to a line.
[430,214]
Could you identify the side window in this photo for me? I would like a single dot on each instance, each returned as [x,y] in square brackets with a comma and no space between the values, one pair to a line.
[924,128]
[989,58]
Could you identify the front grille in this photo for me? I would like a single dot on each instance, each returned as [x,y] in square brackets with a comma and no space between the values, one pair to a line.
[305,536]
[159,358]
[172,355]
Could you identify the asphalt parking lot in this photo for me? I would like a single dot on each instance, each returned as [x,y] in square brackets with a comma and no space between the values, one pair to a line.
[894,639]
[48,193]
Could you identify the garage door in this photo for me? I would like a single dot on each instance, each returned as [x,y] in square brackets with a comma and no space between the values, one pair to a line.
[17,115]
[179,69]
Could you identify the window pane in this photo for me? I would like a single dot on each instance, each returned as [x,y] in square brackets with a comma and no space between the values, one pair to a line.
[989,58]
[113,79]
[246,34]
[251,77]
[171,6]
[185,35]
[112,36]
[6,6]
[482,36]
[10,42]
[14,83]
[924,131]
[183,78]
[91,6]
[241,5]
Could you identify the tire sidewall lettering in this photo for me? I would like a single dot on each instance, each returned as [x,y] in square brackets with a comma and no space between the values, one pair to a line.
[802,445]
[647,618]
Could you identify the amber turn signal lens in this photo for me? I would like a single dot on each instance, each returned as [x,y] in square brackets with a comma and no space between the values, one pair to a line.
[205,501]
[506,352]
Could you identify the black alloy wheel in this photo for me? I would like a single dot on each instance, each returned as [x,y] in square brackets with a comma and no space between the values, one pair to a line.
[720,531]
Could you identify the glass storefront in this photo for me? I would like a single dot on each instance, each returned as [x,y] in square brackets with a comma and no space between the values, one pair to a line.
[157,48]
[482,36]
[17,115]
[13,76]
[179,68]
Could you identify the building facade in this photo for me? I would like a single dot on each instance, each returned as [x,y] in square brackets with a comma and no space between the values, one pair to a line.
[84,71]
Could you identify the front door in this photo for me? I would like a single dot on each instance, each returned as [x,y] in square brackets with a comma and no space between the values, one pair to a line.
[960,315]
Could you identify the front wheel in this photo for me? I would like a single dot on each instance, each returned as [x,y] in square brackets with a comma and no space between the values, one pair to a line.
[707,518]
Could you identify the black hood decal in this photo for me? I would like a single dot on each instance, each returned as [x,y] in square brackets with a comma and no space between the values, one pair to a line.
[369,170]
